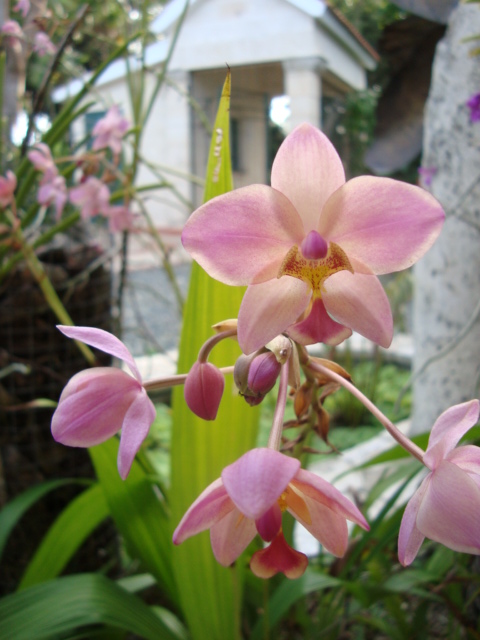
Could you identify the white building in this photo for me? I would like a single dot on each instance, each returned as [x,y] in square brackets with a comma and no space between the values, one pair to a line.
[300,48]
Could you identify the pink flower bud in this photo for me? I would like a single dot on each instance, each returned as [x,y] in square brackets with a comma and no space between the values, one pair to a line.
[8,185]
[263,373]
[203,390]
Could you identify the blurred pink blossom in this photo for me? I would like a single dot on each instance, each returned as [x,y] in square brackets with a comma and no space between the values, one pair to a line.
[92,197]
[23,6]
[41,158]
[53,191]
[8,184]
[12,30]
[42,45]
[446,506]
[426,175]
[120,218]
[109,131]
[99,402]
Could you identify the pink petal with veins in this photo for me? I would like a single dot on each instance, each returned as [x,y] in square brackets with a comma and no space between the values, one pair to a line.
[257,479]
[359,302]
[230,536]
[450,510]
[136,425]
[410,539]
[385,224]
[307,169]
[267,309]
[103,340]
[242,237]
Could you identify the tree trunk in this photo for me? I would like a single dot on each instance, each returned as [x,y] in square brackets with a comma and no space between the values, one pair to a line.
[447,295]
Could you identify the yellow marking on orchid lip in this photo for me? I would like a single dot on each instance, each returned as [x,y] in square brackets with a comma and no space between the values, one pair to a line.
[297,504]
[314,272]
[282,501]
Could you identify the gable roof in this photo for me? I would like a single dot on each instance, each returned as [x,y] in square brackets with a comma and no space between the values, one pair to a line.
[164,26]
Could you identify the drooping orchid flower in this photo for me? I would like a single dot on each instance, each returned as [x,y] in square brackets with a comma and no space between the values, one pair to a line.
[311,245]
[23,6]
[109,131]
[53,190]
[92,197]
[99,402]
[42,45]
[446,506]
[251,496]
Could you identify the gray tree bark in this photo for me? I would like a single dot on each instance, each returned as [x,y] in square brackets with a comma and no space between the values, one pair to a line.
[447,280]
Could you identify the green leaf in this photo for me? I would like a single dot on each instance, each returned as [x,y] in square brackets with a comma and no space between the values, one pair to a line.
[14,510]
[65,536]
[289,592]
[138,512]
[60,606]
[210,594]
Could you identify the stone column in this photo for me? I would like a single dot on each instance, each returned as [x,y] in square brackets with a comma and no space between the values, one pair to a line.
[303,84]
[447,279]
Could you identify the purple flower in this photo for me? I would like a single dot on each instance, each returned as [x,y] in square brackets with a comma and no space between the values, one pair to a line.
[474,105]
[426,175]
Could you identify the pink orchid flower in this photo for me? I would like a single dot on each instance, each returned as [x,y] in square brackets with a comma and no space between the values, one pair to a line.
[92,196]
[42,45]
[23,6]
[446,506]
[98,402]
[120,218]
[109,131]
[41,158]
[251,496]
[13,30]
[311,245]
[8,184]
[53,191]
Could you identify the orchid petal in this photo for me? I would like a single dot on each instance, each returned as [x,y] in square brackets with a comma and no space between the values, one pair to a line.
[242,236]
[466,458]
[210,506]
[103,340]
[359,302]
[410,539]
[385,224]
[257,479]
[93,405]
[270,523]
[136,425]
[448,429]
[230,536]
[450,510]
[318,326]
[307,169]
[318,489]
[329,528]
[267,310]
[278,556]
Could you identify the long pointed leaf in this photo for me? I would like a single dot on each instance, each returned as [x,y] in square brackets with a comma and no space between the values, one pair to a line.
[63,605]
[210,594]
[68,532]
[138,514]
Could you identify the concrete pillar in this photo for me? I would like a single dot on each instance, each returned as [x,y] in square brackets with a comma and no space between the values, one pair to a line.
[303,84]
[447,282]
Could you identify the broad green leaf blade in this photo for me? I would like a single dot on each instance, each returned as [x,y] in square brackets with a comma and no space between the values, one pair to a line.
[210,594]
[65,604]
[65,536]
[14,510]
[289,592]
[139,514]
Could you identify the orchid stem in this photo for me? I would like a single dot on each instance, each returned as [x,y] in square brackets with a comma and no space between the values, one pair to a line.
[402,439]
[211,342]
[275,437]
[173,381]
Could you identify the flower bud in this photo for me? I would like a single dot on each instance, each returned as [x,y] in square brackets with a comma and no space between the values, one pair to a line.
[240,371]
[203,390]
[263,373]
